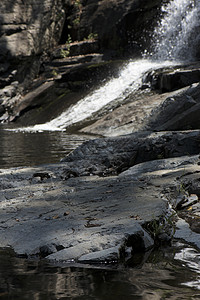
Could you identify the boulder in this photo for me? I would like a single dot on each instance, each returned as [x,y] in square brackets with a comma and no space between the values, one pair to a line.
[173,78]
[178,112]
[111,156]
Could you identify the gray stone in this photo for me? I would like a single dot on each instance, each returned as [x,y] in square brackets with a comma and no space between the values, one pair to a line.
[184,232]
[111,156]
[179,111]
[99,214]
[30,28]
[173,78]
[108,255]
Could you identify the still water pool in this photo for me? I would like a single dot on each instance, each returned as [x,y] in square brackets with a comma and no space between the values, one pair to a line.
[19,148]
[164,275]
[172,273]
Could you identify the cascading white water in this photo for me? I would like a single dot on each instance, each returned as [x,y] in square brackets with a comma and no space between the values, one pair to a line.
[129,80]
[177,33]
[172,39]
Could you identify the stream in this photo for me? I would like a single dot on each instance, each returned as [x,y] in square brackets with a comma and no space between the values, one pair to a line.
[169,273]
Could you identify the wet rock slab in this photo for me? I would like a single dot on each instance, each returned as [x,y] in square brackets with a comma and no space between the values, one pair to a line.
[87,218]
[65,220]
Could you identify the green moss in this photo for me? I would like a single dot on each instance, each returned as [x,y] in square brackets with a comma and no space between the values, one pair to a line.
[98,64]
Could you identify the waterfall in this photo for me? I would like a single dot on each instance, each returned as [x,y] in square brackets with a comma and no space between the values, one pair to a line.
[177,33]
[130,79]
[174,40]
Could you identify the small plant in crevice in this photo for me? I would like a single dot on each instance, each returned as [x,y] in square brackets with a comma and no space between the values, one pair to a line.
[161,155]
[65,52]
[54,72]
[162,229]
[182,188]
[78,11]
[69,39]
[91,37]
[76,21]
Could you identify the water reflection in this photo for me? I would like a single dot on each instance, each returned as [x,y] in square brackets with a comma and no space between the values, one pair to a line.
[190,257]
[30,149]
[161,277]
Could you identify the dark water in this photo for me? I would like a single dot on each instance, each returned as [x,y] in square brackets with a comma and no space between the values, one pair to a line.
[31,149]
[160,277]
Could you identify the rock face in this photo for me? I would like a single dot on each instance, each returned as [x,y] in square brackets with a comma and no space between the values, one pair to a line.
[29,28]
[124,23]
[27,31]
[30,33]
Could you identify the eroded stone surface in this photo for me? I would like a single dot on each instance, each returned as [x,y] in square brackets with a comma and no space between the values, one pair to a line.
[82,215]
[88,218]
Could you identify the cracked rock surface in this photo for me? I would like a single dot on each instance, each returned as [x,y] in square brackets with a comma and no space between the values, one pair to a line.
[92,218]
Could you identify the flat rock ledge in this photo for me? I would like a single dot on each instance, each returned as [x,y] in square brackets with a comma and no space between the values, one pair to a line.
[91,218]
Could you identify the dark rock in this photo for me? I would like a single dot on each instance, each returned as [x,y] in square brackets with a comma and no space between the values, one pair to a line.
[42,175]
[76,49]
[47,250]
[189,201]
[173,78]
[113,155]
[62,63]
[139,242]
[178,112]
[124,22]
[69,173]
